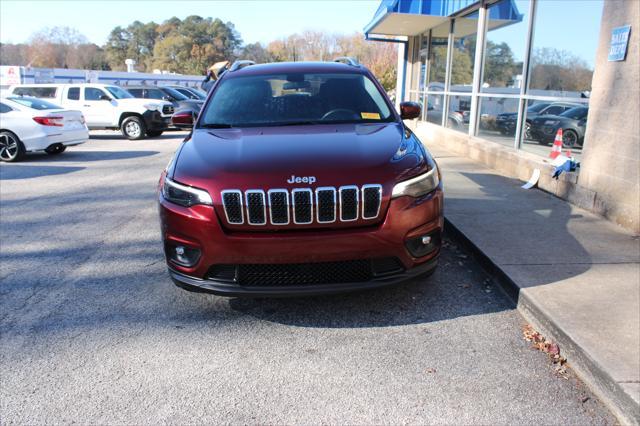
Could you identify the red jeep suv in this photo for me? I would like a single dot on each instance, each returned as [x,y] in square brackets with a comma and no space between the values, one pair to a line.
[299,178]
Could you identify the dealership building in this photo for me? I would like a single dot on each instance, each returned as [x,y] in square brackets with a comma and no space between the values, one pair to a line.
[485,70]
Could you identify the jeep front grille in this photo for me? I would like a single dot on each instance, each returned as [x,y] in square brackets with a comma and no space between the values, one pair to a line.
[302,206]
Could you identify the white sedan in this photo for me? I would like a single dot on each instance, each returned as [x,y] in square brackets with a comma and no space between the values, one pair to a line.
[29,124]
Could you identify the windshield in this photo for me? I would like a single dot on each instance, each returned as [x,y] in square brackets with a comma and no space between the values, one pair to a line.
[175,94]
[296,98]
[537,107]
[118,92]
[576,113]
[34,103]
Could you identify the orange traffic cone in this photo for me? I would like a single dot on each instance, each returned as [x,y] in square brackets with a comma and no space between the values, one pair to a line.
[557,145]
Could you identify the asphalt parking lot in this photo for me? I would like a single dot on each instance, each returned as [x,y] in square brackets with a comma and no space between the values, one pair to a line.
[93,330]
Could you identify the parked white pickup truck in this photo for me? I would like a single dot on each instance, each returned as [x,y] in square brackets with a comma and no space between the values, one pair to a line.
[105,106]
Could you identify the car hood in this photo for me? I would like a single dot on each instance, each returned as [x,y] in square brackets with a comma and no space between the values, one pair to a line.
[191,104]
[140,102]
[266,158]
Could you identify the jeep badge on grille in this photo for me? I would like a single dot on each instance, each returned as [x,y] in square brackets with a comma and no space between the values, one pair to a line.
[303,179]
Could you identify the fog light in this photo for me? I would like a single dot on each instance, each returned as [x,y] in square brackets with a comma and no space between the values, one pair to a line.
[423,244]
[183,255]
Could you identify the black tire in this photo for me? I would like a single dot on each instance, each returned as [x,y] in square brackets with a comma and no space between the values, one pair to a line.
[570,139]
[55,149]
[11,147]
[133,128]
[154,133]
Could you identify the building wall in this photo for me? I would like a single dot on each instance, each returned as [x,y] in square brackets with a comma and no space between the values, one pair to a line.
[611,162]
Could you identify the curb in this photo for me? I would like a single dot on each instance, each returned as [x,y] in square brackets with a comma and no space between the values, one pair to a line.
[586,368]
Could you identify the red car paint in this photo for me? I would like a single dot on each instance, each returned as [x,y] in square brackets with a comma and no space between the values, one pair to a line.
[272,157]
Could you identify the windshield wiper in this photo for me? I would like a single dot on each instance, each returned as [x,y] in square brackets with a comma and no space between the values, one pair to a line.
[216,126]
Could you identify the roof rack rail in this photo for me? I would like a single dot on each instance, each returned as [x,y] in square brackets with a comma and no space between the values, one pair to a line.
[238,65]
[347,60]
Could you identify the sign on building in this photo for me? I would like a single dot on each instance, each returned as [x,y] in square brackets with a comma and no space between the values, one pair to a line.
[9,75]
[619,43]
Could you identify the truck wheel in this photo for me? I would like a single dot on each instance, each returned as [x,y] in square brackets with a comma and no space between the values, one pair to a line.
[133,128]
[154,133]
[55,149]
[11,148]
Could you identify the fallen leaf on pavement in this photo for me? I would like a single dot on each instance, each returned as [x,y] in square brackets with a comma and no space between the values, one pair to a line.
[540,343]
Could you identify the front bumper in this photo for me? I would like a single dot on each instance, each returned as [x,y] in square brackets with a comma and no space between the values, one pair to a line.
[154,120]
[199,227]
[222,288]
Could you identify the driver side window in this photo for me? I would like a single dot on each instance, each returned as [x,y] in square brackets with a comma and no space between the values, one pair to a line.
[93,94]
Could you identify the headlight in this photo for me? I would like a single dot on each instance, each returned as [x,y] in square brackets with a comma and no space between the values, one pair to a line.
[184,195]
[417,186]
[551,122]
[152,107]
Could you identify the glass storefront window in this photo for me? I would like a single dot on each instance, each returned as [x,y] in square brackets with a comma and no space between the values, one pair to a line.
[438,57]
[498,119]
[564,47]
[435,108]
[464,48]
[506,47]
[459,113]
[544,118]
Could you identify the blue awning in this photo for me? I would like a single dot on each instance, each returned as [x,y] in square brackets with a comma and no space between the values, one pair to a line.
[413,17]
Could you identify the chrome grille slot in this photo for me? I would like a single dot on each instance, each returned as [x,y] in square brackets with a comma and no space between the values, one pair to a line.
[371,200]
[232,202]
[167,109]
[279,206]
[256,207]
[302,206]
[348,203]
[326,204]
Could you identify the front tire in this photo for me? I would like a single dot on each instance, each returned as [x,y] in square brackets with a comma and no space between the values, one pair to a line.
[154,133]
[11,147]
[55,149]
[570,139]
[133,128]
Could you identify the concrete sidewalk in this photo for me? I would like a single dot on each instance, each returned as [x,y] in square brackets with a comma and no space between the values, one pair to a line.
[574,275]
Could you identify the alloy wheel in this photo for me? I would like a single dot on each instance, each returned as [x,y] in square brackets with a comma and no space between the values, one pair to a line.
[8,147]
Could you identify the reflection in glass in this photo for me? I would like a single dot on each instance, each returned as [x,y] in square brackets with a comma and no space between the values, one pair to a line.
[434,109]
[438,57]
[459,113]
[464,52]
[507,26]
[498,118]
[564,47]
[542,121]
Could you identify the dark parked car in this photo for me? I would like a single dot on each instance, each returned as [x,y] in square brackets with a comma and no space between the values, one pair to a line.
[573,123]
[190,92]
[177,99]
[300,178]
[506,123]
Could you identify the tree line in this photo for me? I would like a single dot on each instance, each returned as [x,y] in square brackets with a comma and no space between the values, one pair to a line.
[190,46]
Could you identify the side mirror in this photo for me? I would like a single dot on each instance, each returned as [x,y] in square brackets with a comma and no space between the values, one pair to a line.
[105,98]
[410,110]
[183,119]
